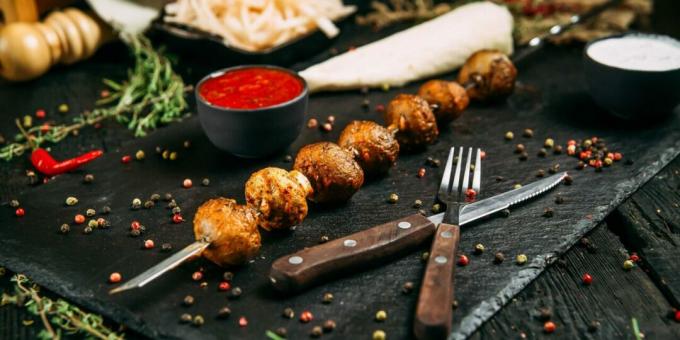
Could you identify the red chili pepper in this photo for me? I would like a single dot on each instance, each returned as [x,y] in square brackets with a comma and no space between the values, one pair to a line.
[44,163]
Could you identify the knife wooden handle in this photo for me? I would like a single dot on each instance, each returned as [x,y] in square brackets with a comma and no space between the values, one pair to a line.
[433,312]
[309,266]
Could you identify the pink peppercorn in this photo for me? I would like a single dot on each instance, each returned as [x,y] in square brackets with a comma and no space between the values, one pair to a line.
[306,316]
[20,212]
[421,172]
[125,159]
[177,218]
[148,244]
[40,113]
[587,279]
[463,260]
[187,183]
[242,321]
[224,286]
[197,276]
[135,225]
[115,277]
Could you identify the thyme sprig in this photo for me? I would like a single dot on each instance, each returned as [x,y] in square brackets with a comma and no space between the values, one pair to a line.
[57,315]
[152,95]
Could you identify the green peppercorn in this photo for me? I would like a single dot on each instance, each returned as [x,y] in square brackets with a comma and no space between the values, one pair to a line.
[521,259]
[65,228]
[140,155]
[63,108]
[424,256]
[176,210]
[155,197]
[90,212]
[198,321]
[224,312]
[316,332]
[165,154]
[149,204]
[407,288]
[205,182]
[92,224]
[608,161]
[479,248]
[235,293]
[327,298]
[628,264]
[136,203]
[393,198]
[288,313]
[509,135]
[173,156]
[88,178]
[517,186]
[188,300]
[186,318]
[70,201]
[328,326]
[379,335]
[14,203]
[587,143]
[106,210]
[498,258]
[549,143]
[28,121]
[417,204]
[436,208]
[381,316]
[228,276]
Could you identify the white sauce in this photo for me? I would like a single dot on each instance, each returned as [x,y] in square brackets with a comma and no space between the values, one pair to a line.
[638,52]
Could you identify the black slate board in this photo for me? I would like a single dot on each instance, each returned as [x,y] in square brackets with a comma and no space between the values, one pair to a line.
[551,99]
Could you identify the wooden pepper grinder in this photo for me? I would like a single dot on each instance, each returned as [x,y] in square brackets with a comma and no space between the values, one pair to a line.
[28,50]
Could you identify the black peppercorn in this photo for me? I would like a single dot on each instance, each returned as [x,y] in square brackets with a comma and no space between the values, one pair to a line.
[559,200]
[228,276]
[327,298]
[106,210]
[542,152]
[523,156]
[282,332]
[407,288]
[568,180]
[499,178]
[316,332]
[168,197]
[188,300]
[557,149]
[186,318]
[540,173]
[288,313]
[288,158]
[149,204]
[166,247]
[88,178]
[328,325]
[548,212]
[498,258]
[65,228]
[505,212]
[519,148]
[528,133]
[554,169]
[593,326]
[135,232]
[224,312]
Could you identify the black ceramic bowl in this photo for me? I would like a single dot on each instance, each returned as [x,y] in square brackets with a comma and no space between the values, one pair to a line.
[632,94]
[252,133]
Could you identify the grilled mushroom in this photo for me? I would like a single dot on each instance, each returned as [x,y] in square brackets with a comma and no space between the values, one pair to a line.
[488,74]
[373,146]
[412,117]
[447,99]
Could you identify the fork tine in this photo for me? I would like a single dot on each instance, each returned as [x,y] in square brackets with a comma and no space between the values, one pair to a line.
[446,177]
[466,175]
[456,178]
[477,177]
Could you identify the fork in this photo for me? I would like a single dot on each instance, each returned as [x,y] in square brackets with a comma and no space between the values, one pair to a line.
[434,312]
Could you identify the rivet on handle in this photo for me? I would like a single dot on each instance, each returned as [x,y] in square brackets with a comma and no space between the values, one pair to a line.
[295,260]
[440,259]
[350,243]
[404,225]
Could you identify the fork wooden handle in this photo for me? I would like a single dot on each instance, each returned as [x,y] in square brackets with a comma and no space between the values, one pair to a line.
[434,310]
[312,265]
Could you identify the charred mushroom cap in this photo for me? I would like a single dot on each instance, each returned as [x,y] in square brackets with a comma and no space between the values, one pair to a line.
[491,73]
[447,99]
[373,146]
[412,117]
[334,174]
[279,196]
[231,230]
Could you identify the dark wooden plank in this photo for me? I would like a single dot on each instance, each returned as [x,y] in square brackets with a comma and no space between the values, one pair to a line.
[614,297]
[649,224]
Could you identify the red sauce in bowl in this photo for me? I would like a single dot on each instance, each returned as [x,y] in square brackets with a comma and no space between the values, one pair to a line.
[251,88]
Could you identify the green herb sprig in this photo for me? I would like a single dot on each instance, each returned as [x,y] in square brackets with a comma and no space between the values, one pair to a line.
[57,315]
[152,95]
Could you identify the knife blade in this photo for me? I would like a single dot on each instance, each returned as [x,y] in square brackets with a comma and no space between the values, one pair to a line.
[378,244]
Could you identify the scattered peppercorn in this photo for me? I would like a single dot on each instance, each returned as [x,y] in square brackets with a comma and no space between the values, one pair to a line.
[106,210]
[135,232]
[324,239]
[454,304]
[14,203]
[88,178]
[90,212]
[172,204]
[509,135]
[140,155]
[634,257]
[519,148]
[172,156]
[70,201]
[306,316]
[224,286]
[177,218]
[505,212]
[197,276]
[559,200]
[380,316]
[470,194]
[568,180]
[20,212]
[557,149]
[78,219]
[282,332]
[125,159]
[479,248]
[188,300]
[379,335]
[436,208]
[92,224]
[424,256]
[542,152]
[544,313]
[228,276]
[463,260]
[521,259]
[288,313]
[540,173]
[407,288]
[198,321]
[187,183]
[549,143]
[676,315]
[149,204]
[628,264]
[523,156]
[235,293]
[393,198]
[593,326]
[176,210]
[517,186]
[165,247]
[64,228]
[327,298]
[528,133]
[115,277]
[554,169]
[136,203]
[417,204]
[328,326]
[224,312]
[549,327]
[148,244]
[185,318]
[587,279]
[421,172]
[326,127]
[498,258]
[548,212]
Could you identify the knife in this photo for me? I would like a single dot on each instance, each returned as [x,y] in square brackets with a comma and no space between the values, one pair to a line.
[297,271]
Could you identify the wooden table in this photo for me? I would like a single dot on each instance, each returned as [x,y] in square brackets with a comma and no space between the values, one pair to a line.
[647,223]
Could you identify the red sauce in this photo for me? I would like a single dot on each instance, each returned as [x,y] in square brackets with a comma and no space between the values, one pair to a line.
[251,88]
